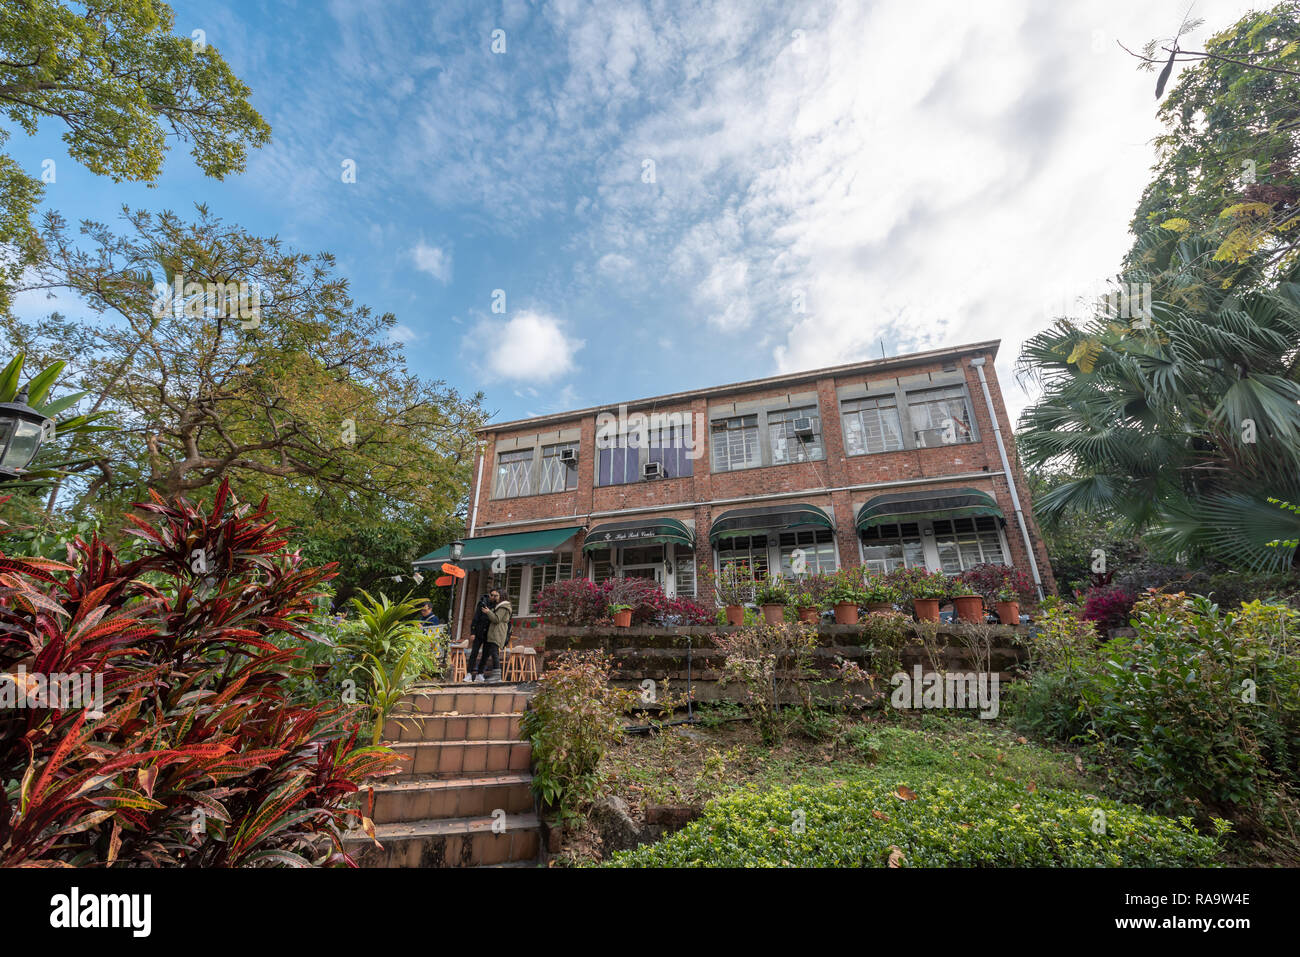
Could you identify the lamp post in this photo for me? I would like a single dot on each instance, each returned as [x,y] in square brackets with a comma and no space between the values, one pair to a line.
[456,549]
[22,429]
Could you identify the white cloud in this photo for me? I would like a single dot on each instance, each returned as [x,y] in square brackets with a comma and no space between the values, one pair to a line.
[529,346]
[403,333]
[432,260]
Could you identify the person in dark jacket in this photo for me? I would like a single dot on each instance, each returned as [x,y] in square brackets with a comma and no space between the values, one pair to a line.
[478,627]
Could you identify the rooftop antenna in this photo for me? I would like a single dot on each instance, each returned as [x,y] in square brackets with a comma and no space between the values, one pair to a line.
[882,348]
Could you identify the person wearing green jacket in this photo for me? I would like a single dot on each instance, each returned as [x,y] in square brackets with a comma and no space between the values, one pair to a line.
[489,657]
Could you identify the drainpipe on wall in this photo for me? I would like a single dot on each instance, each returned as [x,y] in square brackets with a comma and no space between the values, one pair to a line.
[1006,470]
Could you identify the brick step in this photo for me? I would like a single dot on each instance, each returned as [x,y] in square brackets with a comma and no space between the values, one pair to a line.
[426,798]
[417,726]
[455,759]
[455,842]
[471,699]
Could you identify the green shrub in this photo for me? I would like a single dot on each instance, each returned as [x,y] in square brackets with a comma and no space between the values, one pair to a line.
[963,824]
[1204,706]
[572,720]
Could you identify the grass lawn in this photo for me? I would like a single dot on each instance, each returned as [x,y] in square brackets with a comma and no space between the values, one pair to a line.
[983,795]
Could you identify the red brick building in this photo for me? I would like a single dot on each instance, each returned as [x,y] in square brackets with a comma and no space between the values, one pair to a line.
[900,461]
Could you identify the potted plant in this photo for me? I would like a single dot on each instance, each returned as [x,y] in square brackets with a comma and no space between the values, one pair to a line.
[968,602]
[622,615]
[926,592]
[844,595]
[879,596]
[807,597]
[1008,606]
[735,586]
[773,597]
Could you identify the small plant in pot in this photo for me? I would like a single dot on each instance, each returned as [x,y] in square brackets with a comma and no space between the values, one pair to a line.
[844,595]
[773,596]
[927,591]
[735,587]
[969,603]
[806,596]
[1008,606]
[880,596]
[622,615]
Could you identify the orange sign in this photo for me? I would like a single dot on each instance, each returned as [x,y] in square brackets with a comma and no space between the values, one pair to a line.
[443,580]
[453,570]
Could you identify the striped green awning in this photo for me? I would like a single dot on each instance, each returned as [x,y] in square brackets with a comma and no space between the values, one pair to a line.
[518,548]
[919,506]
[756,521]
[646,531]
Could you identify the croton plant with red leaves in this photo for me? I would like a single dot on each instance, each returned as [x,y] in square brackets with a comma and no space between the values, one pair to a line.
[198,759]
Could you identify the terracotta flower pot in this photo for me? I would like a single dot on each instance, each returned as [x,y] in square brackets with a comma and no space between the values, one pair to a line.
[846,613]
[735,614]
[809,614]
[927,609]
[881,608]
[774,614]
[1009,612]
[623,619]
[969,608]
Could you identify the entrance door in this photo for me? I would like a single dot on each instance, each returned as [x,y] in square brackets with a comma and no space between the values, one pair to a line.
[644,561]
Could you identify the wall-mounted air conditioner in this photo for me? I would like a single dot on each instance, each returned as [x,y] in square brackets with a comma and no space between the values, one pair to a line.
[568,456]
[652,470]
[803,426]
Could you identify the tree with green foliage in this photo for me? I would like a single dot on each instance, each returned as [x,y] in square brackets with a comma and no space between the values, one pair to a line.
[1184,423]
[262,370]
[1227,158]
[114,74]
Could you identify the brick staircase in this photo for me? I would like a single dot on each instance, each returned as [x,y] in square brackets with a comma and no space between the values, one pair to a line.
[468,771]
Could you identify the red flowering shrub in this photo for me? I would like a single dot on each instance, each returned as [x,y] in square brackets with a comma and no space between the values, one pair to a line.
[989,579]
[195,756]
[1110,606]
[581,602]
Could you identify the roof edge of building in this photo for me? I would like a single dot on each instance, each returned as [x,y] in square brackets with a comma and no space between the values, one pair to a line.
[988,346]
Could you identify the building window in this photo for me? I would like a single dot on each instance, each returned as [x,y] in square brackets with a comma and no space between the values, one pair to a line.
[735,443]
[602,565]
[817,546]
[544,575]
[514,474]
[511,583]
[887,547]
[871,425]
[966,542]
[684,575]
[940,417]
[619,461]
[789,446]
[746,551]
[558,476]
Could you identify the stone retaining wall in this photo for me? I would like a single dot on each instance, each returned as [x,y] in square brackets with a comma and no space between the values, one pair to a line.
[660,653]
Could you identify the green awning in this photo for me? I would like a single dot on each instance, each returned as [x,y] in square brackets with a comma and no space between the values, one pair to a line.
[918,506]
[518,548]
[646,531]
[756,521]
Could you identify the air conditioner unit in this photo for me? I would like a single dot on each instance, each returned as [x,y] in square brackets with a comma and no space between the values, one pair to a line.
[652,470]
[568,455]
[803,426]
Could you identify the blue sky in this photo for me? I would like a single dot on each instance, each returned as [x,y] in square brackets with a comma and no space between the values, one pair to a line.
[674,195]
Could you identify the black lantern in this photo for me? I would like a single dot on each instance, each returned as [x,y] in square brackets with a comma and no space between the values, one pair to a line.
[22,429]
[457,550]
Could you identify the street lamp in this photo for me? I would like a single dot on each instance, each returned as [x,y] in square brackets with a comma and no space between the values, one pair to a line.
[457,550]
[22,429]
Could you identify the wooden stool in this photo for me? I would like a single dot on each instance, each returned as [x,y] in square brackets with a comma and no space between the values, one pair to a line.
[456,659]
[523,664]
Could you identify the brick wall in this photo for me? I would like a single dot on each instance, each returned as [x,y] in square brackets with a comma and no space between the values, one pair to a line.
[690,497]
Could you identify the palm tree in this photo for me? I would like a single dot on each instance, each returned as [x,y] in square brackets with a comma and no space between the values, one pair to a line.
[1185,420]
